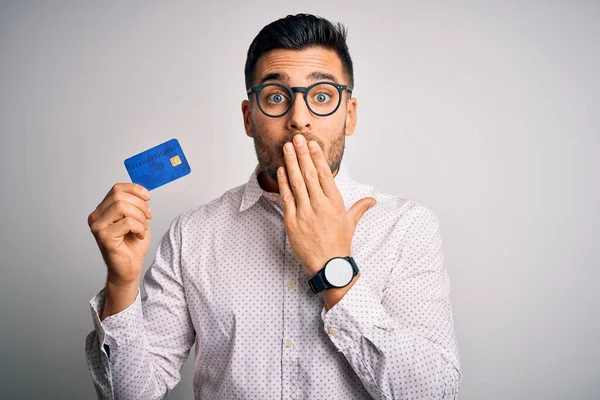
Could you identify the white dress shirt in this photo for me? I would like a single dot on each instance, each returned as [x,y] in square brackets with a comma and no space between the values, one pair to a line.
[225,277]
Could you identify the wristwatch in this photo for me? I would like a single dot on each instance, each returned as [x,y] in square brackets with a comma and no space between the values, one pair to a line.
[337,273]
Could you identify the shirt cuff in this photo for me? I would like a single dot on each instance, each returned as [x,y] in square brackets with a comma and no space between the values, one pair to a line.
[359,312]
[121,328]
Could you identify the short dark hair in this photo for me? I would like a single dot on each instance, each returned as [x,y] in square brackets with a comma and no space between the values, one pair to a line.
[296,32]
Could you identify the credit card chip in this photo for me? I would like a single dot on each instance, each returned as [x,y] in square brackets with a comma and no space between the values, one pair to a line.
[175,161]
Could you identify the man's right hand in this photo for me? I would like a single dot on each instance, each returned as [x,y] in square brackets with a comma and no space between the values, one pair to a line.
[122,230]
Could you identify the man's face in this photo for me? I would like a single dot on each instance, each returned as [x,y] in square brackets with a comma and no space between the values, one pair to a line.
[299,68]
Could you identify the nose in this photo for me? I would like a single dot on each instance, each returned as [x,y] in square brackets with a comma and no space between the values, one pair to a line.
[299,116]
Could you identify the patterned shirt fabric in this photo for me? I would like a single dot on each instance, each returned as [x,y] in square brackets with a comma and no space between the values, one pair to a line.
[226,278]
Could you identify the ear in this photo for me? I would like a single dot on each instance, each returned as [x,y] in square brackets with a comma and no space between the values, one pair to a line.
[247,115]
[351,106]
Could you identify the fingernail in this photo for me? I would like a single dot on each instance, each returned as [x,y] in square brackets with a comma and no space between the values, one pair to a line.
[147,194]
[299,139]
[289,148]
[150,211]
[313,145]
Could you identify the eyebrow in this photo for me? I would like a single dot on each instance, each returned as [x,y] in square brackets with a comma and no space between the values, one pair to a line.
[313,76]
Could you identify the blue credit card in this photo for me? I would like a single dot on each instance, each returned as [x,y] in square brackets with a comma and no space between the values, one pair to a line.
[159,165]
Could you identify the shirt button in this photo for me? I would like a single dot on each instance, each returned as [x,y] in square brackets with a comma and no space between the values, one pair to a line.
[289,343]
[272,196]
[291,284]
[333,331]
[366,379]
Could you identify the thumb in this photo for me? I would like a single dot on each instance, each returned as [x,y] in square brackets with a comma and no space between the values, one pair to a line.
[360,208]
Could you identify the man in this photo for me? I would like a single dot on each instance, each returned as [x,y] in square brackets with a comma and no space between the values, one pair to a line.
[289,287]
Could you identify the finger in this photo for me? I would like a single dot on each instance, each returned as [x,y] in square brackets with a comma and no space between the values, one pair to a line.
[123,227]
[120,196]
[285,193]
[326,179]
[117,211]
[359,209]
[308,169]
[132,188]
[294,176]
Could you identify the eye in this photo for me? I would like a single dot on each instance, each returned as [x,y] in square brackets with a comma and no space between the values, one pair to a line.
[276,98]
[322,97]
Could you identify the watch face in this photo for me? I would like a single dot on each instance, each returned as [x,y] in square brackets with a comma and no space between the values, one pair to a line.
[338,272]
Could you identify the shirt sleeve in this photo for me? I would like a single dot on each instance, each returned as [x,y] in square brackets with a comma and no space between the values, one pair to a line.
[150,340]
[400,341]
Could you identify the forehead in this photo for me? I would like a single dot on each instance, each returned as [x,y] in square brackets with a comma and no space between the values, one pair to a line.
[296,66]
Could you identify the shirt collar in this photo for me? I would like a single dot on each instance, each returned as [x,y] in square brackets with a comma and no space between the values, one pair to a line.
[253,191]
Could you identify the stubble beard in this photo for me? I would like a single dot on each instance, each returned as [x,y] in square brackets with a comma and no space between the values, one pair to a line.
[268,156]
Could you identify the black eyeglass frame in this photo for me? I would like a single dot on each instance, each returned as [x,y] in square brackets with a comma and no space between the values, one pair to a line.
[302,89]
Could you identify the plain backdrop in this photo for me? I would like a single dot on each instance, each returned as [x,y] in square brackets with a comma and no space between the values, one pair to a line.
[485,112]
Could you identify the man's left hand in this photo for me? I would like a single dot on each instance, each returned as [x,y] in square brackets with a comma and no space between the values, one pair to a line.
[314,213]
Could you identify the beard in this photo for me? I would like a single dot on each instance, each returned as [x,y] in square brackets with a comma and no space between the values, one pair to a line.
[270,156]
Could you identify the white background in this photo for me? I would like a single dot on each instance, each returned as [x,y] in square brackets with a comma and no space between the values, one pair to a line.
[485,112]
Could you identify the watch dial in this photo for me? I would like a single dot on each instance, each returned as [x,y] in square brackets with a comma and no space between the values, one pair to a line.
[338,272]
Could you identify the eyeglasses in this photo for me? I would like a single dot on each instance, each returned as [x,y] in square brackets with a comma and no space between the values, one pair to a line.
[321,98]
